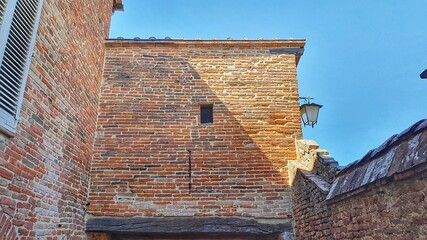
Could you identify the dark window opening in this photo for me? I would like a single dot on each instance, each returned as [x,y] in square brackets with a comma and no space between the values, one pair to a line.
[206,113]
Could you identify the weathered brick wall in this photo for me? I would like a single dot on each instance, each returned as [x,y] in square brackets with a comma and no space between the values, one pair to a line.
[311,175]
[381,196]
[391,209]
[312,215]
[149,121]
[44,168]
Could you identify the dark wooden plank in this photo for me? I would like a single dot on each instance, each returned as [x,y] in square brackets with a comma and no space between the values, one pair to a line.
[184,225]
[296,51]
[193,236]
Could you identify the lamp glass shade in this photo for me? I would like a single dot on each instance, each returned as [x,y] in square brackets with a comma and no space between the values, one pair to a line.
[309,113]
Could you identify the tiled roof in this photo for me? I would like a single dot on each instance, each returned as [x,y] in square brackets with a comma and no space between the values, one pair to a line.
[212,39]
[399,153]
[296,44]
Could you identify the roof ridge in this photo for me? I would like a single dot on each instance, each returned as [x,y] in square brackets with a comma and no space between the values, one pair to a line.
[386,145]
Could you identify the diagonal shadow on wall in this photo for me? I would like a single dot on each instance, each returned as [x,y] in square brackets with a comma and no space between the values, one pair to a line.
[149,122]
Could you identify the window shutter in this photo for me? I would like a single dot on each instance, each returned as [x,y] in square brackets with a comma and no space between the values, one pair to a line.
[16,47]
[2,10]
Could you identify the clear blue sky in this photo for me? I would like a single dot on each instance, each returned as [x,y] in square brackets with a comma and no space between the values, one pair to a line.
[362,59]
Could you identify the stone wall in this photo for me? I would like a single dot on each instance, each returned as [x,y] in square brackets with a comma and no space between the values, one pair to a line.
[149,128]
[312,175]
[44,167]
[381,196]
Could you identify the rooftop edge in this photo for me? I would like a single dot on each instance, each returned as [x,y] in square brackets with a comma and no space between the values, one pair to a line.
[168,41]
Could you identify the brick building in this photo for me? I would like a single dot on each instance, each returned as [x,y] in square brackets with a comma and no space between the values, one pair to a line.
[156,156]
[177,139]
[152,154]
[49,85]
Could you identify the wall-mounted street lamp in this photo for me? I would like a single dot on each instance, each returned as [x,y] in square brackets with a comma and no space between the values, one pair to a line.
[309,111]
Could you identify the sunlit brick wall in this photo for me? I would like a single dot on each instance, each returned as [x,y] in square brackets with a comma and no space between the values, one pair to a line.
[149,125]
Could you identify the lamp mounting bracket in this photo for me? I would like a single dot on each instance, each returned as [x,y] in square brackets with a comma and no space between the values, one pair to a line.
[306,99]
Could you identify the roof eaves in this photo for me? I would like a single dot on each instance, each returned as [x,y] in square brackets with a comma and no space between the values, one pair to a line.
[118,5]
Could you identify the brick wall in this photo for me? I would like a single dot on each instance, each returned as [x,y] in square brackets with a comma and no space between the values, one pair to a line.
[381,196]
[312,215]
[312,175]
[149,122]
[44,168]
[393,209]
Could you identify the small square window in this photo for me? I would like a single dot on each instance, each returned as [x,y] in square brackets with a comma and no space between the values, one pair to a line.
[206,113]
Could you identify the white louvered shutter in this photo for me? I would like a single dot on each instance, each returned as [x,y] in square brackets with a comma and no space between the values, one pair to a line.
[3,4]
[19,20]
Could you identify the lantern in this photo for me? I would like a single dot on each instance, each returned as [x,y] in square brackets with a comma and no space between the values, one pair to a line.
[309,112]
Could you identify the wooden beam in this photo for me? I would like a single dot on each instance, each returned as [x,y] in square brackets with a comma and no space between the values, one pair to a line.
[185,225]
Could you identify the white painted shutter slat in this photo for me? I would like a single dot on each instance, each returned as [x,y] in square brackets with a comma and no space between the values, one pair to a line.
[3,4]
[11,98]
[11,87]
[9,65]
[10,72]
[21,25]
[10,76]
[5,104]
[6,97]
[26,19]
[15,48]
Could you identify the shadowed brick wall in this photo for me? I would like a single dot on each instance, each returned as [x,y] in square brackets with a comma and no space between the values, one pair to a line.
[149,123]
[44,168]
[311,176]
[311,214]
[394,209]
[381,196]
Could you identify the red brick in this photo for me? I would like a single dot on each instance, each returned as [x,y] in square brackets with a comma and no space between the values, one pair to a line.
[48,158]
[6,173]
[149,119]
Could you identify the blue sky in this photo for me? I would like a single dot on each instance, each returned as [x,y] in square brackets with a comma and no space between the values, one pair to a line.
[362,59]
